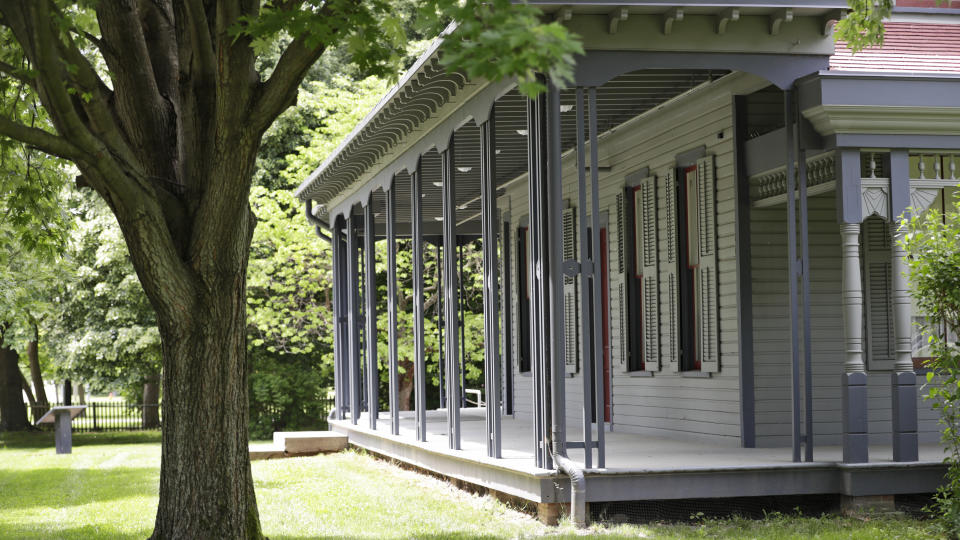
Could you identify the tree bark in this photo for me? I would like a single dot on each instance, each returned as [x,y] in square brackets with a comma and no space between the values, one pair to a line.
[206,487]
[13,413]
[33,357]
[27,390]
[151,402]
[81,394]
[406,385]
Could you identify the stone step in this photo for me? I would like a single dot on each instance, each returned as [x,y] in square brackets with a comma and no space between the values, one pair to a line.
[266,451]
[309,442]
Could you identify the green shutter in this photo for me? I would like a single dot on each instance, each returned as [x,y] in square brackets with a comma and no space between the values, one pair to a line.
[670,291]
[645,201]
[571,304]
[705,284]
[877,266]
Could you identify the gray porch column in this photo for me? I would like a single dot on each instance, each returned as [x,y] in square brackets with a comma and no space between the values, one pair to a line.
[539,290]
[353,319]
[370,299]
[491,311]
[394,388]
[903,380]
[853,385]
[419,361]
[792,275]
[341,388]
[450,298]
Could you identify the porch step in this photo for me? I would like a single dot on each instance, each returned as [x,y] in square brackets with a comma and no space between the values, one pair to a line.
[265,451]
[303,442]
[299,443]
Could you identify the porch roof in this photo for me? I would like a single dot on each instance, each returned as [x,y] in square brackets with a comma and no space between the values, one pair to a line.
[429,103]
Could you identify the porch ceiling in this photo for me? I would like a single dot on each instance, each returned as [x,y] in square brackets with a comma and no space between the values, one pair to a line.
[619,100]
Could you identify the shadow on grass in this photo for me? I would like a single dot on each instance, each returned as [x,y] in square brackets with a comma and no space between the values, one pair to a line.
[60,487]
[44,439]
[45,531]
[446,535]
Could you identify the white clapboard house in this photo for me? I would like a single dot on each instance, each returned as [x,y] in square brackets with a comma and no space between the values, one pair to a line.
[692,285]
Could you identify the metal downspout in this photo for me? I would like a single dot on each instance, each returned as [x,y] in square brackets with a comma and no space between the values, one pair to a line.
[319,225]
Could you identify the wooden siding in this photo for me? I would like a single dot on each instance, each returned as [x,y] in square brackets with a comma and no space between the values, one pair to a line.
[771,334]
[667,403]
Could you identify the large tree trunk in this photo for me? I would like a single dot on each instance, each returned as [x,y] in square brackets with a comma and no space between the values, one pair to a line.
[13,413]
[151,402]
[33,357]
[81,394]
[206,487]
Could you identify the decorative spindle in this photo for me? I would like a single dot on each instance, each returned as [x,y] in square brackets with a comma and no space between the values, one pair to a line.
[873,164]
[953,167]
[937,168]
[923,168]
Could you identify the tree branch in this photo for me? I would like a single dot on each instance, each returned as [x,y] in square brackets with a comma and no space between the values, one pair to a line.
[42,140]
[14,73]
[280,90]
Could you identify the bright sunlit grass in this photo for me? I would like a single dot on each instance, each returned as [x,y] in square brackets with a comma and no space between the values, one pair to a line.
[107,489]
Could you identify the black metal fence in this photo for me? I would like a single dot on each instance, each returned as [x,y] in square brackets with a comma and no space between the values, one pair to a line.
[107,416]
[267,418]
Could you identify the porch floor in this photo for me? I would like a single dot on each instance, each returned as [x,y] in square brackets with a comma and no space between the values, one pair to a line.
[641,467]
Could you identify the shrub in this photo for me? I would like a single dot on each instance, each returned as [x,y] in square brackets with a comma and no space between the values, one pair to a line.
[932,241]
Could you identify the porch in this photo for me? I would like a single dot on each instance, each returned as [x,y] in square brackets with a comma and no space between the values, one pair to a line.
[641,467]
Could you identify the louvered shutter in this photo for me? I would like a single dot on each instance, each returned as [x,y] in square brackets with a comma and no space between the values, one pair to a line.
[879,306]
[645,200]
[618,322]
[703,249]
[619,336]
[670,292]
[571,326]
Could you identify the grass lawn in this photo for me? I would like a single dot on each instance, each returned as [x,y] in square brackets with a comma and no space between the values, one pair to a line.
[107,489]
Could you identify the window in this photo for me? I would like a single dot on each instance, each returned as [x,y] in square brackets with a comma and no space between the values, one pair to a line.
[696,281]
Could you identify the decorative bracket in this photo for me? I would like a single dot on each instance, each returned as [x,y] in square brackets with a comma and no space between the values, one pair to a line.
[564,14]
[675,14]
[922,198]
[615,17]
[875,197]
[727,16]
[777,18]
[830,18]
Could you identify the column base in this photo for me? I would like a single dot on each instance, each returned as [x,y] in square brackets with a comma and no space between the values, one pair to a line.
[903,388]
[853,387]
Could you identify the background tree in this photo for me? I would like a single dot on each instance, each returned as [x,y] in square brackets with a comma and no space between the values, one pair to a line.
[32,233]
[104,330]
[160,106]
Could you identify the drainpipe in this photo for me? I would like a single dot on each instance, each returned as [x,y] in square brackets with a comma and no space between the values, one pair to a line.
[318,225]
[578,488]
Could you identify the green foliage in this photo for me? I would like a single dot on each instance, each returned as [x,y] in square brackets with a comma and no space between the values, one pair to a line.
[500,39]
[289,325]
[371,31]
[863,24]
[933,243]
[104,331]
